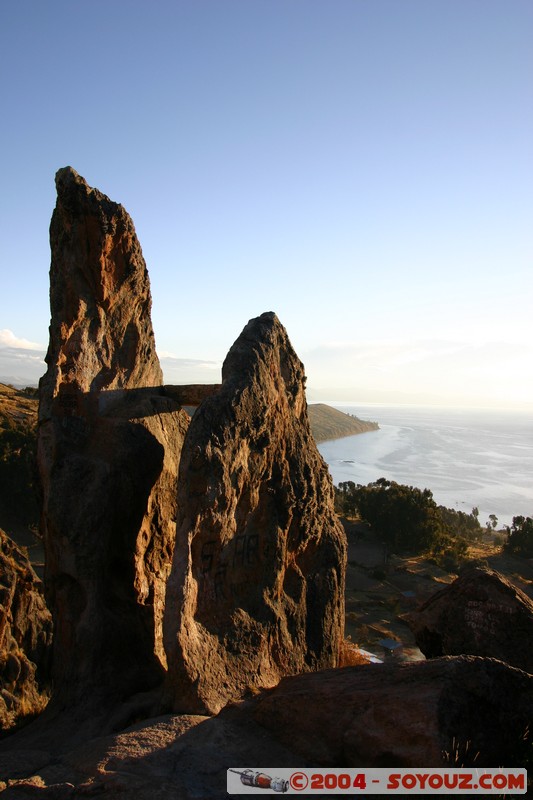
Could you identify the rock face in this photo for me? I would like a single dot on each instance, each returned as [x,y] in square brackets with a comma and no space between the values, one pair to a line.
[257,585]
[25,636]
[479,613]
[108,453]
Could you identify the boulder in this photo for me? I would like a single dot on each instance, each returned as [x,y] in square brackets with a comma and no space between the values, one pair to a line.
[25,637]
[480,613]
[461,710]
[108,452]
[257,584]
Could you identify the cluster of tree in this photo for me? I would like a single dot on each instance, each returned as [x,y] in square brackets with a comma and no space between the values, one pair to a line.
[520,537]
[408,519]
[461,524]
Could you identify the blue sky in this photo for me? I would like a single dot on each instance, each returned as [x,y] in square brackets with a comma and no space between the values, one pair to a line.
[362,167]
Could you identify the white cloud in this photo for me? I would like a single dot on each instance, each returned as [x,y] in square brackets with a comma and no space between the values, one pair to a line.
[22,364]
[21,361]
[8,339]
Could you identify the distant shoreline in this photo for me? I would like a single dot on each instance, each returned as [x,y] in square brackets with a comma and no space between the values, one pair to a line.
[328,424]
[419,447]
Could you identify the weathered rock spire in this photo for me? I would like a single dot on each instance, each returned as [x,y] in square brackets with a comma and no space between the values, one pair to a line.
[257,585]
[101,334]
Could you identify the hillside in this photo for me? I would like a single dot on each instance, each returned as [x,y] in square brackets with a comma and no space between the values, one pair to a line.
[19,507]
[17,406]
[329,423]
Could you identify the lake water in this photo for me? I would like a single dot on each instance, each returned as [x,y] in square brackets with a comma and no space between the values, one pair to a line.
[466,458]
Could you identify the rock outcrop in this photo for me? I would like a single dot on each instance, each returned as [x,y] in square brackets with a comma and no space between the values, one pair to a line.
[257,585]
[480,613]
[108,453]
[25,637]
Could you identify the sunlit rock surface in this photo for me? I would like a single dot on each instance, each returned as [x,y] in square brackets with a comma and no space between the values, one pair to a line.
[257,585]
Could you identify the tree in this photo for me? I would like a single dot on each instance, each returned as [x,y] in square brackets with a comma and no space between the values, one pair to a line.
[520,537]
[344,496]
[404,517]
[492,522]
[459,524]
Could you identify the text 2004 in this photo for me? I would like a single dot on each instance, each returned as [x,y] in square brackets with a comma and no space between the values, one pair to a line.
[343,781]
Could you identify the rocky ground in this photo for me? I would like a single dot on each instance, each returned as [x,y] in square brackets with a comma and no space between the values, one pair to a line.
[374,715]
[298,723]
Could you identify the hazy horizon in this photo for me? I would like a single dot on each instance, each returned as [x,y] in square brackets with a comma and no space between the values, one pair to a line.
[333,397]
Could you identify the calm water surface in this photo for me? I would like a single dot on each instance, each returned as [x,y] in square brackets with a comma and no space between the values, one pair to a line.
[466,457]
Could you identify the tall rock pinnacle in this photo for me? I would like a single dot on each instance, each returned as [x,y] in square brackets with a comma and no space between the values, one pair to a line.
[257,585]
[101,333]
[108,452]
